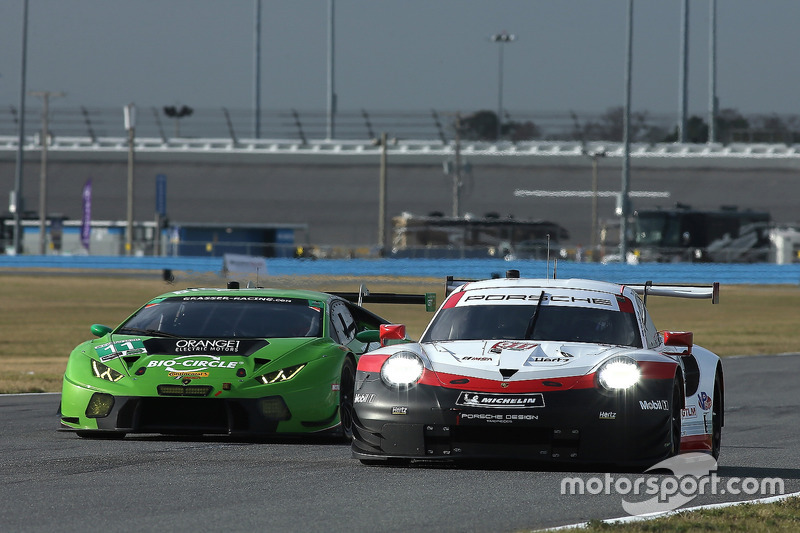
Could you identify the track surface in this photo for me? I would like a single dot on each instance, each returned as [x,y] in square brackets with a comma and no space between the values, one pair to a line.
[53,480]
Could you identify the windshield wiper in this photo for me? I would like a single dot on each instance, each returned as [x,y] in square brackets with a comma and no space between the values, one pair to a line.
[148,332]
[534,318]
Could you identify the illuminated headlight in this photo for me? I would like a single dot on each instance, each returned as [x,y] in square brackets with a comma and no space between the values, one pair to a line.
[103,372]
[618,374]
[284,374]
[402,369]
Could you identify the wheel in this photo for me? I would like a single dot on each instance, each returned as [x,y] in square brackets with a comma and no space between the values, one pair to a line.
[716,418]
[108,435]
[346,390]
[675,419]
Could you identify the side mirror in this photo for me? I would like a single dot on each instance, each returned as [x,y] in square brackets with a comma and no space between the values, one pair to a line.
[678,342]
[368,335]
[99,330]
[390,332]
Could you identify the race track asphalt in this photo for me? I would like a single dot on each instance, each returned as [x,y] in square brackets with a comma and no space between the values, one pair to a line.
[51,480]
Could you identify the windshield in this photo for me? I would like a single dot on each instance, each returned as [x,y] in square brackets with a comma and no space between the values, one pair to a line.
[553,323]
[656,229]
[220,317]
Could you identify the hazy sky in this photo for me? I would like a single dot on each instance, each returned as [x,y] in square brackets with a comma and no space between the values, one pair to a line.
[400,55]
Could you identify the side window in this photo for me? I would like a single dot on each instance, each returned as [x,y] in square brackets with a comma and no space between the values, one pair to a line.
[651,336]
[344,327]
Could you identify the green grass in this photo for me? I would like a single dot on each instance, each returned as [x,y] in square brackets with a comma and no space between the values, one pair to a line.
[746,518]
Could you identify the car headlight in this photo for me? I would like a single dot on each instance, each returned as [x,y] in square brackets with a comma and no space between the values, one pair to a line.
[103,372]
[402,369]
[618,374]
[284,374]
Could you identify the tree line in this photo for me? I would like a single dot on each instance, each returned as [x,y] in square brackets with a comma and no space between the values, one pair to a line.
[731,126]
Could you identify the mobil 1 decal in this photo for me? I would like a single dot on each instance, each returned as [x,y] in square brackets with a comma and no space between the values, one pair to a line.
[243,347]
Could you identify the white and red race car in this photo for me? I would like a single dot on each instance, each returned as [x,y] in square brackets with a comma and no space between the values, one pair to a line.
[541,370]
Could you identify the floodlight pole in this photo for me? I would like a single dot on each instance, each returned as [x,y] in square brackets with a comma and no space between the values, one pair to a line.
[501,38]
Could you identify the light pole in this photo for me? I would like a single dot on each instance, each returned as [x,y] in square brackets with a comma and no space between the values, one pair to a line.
[257,70]
[712,72]
[18,203]
[331,112]
[178,113]
[382,197]
[595,155]
[129,112]
[45,140]
[501,38]
[624,196]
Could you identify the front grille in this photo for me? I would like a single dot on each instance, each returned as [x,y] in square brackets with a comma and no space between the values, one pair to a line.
[522,435]
[185,415]
[180,390]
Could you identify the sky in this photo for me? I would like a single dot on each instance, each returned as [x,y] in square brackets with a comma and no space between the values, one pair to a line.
[409,55]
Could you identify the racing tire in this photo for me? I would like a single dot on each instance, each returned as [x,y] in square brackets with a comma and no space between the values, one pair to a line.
[391,461]
[716,418]
[678,402]
[107,435]
[347,386]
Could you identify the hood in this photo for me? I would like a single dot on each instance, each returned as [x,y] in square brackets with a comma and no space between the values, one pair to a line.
[517,360]
[194,357]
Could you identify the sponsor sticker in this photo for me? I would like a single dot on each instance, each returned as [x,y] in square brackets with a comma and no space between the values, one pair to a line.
[193,363]
[498,347]
[505,401]
[608,415]
[704,400]
[363,398]
[654,405]
[113,350]
[400,410]
[188,375]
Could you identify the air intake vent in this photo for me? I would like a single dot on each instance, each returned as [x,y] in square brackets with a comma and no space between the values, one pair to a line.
[179,390]
[508,372]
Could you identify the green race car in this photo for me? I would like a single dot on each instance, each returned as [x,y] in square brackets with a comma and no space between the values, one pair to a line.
[234,361]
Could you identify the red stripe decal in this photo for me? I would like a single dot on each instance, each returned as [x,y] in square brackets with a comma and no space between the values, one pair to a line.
[372,362]
[657,370]
[453,300]
[696,443]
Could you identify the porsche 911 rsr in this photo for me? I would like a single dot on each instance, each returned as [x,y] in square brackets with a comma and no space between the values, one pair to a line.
[238,361]
[541,370]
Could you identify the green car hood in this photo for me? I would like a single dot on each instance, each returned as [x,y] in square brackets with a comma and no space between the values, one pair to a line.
[217,359]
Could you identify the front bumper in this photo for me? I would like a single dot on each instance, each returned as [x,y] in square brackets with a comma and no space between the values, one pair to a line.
[584,425]
[284,411]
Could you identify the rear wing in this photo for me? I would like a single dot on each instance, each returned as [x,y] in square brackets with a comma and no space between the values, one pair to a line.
[452,283]
[678,290]
[365,296]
